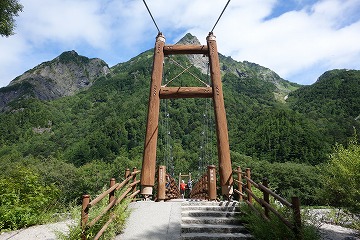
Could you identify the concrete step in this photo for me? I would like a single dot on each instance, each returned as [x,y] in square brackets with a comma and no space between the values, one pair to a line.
[209,208]
[209,203]
[206,236]
[210,220]
[212,228]
[199,213]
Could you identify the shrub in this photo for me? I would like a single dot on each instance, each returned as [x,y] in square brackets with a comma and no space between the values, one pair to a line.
[341,177]
[259,227]
[24,199]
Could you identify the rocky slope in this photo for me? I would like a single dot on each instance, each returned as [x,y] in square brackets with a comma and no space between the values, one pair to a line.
[70,73]
[243,70]
[65,75]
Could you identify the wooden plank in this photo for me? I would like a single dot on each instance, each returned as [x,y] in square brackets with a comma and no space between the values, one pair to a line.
[277,197]
[185,49]
[185,92]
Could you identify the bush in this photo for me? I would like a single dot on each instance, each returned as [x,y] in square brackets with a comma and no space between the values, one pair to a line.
[24,199]
[113,229]
[259,227]
[286,179]
[341,177]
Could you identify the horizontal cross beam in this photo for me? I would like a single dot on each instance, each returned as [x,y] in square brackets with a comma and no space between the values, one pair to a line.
[185,49]
[185,92]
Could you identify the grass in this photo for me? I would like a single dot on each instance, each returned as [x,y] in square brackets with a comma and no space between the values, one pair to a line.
[116,226]
[275,229]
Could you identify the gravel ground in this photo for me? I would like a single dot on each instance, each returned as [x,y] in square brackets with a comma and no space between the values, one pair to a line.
[47,232]
[39,232]
[333,232]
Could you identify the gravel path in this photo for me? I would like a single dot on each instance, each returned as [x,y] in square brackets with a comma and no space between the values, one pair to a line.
[39,232]
[333,232]
[163,217]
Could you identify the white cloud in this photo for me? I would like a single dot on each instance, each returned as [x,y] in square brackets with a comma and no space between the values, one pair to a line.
[302,42]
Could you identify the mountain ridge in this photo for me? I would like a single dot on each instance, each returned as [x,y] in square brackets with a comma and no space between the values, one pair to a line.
[70,73]
[65,75]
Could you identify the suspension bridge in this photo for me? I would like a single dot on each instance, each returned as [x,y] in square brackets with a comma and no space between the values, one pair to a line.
[206,209]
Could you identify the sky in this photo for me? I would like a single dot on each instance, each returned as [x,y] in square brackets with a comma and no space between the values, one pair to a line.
[298,39]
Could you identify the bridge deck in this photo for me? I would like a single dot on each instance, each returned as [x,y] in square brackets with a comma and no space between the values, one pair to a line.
[149,220]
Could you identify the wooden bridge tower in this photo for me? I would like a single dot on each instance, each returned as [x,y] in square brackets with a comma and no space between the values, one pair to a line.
[158,92]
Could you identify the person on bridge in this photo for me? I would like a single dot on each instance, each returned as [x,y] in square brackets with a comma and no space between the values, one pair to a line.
[182,188]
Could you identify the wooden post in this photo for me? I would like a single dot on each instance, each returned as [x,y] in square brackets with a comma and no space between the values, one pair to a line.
[84,215]
[211,182]
[112,194]
[248,184]
[297,216]
[161,183]
[225,170]
[149,156]
[266,197]
[127,173]
[239,176]
[134,180]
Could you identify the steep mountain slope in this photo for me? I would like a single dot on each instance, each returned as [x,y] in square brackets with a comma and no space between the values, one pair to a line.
[63,76]
[108,118]
[333,101]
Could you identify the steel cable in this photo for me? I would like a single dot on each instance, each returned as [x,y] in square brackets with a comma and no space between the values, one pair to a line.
[151,16]
[220,15]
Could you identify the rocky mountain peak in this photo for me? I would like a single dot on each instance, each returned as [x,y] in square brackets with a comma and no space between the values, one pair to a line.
[65,75]
[189,39]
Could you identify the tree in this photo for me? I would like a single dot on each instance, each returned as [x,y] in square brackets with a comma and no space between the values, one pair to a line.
[342,177]
[8,10]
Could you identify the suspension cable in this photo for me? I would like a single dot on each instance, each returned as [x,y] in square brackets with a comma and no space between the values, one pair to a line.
[220,15]
[151,16]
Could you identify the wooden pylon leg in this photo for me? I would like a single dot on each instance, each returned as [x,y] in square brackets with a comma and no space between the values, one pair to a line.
[225,169]
[149,156]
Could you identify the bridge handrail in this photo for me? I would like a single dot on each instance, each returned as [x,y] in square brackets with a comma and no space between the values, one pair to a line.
[113,201]
[265,202]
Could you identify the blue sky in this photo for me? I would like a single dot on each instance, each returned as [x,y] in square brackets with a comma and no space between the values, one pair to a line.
[298,39]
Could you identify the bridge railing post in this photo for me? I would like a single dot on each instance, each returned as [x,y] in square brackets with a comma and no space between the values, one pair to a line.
[112,194]
[240,187]
[134,180]
[84,215]
[297,216]
[212,182]
[248,184]
[161,183]
[266,197]
[127,173]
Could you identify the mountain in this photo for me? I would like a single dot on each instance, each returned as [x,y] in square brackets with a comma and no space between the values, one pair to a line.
[103,115]
[65,75]
[333,101]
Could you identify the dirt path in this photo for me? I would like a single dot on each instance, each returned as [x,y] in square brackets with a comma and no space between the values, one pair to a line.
[39,232]
[47,232]
[334,232]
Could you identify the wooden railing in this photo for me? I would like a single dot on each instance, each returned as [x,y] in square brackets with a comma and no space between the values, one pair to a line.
[200,189]
[205,188]
[128,187]
[248,197]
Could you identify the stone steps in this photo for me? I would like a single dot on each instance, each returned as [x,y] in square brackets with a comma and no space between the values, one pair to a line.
[211,220]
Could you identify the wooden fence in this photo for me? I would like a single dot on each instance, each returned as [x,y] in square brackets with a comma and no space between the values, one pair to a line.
[205,188]
[248,197]
[129,189]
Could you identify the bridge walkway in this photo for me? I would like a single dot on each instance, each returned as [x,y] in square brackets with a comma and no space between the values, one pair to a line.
[153,221]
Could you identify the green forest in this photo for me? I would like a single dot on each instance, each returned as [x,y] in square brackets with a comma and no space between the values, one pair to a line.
[63,148]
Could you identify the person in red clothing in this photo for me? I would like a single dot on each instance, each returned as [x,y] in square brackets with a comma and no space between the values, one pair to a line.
[182,188]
